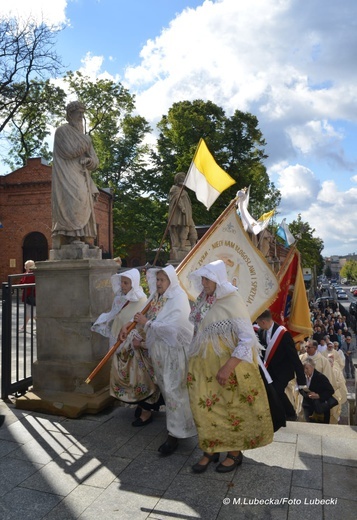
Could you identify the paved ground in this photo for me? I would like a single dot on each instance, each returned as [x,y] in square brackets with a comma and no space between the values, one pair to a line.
[100,467]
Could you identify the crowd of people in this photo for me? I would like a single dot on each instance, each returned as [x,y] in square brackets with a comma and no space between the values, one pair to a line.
[219,377]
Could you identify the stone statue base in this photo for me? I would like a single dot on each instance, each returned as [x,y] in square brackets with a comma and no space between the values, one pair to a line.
[64,403]
[77,250]
[177,255]
[70,295]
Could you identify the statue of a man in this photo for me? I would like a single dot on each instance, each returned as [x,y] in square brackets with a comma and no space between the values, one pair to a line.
[182,227]
[73,189]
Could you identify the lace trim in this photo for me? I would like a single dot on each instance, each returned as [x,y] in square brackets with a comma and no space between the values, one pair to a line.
[237,334]
[168,335]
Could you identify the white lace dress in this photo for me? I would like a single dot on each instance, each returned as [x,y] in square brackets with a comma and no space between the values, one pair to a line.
[168,338]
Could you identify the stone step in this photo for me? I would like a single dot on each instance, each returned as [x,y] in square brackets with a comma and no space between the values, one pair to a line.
[322,430]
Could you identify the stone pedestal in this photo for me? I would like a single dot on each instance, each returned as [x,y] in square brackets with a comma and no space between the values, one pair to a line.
[177,255]
[77,250]
[70,295]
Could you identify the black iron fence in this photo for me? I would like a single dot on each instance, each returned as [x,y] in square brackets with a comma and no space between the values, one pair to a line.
[18,338]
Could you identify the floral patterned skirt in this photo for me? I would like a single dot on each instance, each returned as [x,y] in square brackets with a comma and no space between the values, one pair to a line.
[132,376]
[230,418]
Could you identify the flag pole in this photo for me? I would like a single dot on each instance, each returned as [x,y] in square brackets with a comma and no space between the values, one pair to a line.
[113,348]
[175,206]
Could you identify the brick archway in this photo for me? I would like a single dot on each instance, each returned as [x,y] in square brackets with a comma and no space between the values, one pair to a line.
[35,247]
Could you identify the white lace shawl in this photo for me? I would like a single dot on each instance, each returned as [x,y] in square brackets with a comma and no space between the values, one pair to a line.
[171,326]
[227,324]
[103,324]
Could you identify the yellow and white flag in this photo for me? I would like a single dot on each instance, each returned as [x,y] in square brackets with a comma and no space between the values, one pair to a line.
[205,177]
[247,268]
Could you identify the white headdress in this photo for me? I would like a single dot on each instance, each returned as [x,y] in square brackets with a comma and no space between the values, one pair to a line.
[170,272]
[136,292]
[216,272]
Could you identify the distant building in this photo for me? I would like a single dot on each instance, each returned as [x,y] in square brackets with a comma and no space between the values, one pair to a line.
[26,217]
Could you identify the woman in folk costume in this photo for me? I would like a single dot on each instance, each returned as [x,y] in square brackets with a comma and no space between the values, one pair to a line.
[227,394]
[131,377]
[168,334]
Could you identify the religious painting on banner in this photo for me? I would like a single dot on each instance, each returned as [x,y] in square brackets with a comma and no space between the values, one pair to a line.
[247,268]
[291,307]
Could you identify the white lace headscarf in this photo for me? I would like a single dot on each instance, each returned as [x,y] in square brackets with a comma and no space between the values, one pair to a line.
[173,289]
[103,324]
[171,325]
[216,272]
[136,292]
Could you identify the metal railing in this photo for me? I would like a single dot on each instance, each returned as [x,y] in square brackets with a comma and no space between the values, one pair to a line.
[18,338]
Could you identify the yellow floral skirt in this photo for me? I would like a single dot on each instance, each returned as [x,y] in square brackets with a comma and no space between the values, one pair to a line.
[230,418]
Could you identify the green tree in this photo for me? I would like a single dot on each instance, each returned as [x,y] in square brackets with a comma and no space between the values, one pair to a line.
[236,143]
[310,247]
[349,270]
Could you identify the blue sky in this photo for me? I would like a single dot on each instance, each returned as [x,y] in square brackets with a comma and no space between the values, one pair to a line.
[291,63]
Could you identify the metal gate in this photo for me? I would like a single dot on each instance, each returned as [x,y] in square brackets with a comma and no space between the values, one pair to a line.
[18,339]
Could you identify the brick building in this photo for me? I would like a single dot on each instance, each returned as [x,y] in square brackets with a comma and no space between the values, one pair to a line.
[26,220]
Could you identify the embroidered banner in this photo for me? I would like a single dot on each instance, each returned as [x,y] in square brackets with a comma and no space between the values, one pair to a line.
[247,268]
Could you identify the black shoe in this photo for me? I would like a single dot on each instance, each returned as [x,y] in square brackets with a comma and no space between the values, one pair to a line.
[140,422]
[200,468]
[169,446]
[2,420]
[238,459]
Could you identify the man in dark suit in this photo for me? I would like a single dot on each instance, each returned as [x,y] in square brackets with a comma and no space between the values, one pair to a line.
[318,389]
[281,359]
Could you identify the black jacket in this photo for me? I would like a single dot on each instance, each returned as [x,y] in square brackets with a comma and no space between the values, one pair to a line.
[285,363]
[320,385]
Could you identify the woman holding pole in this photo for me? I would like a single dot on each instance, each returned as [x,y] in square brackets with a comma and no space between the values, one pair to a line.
[168,334]
[132,377]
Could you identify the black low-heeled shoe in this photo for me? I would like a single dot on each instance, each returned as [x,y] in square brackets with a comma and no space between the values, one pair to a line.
[200,468]
[140,422]
[238,459]
[169,446]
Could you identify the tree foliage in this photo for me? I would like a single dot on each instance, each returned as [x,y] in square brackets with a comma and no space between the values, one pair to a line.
[235,142]
[310,247]
[26,54]
[349,270]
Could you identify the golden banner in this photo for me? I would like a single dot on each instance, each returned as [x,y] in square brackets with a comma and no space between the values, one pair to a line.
[247,268]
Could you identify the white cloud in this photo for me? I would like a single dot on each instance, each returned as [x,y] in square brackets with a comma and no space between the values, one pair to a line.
[334,219]
[294,68]
[52,13]
[245,53]
[313,135]
[299,187]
